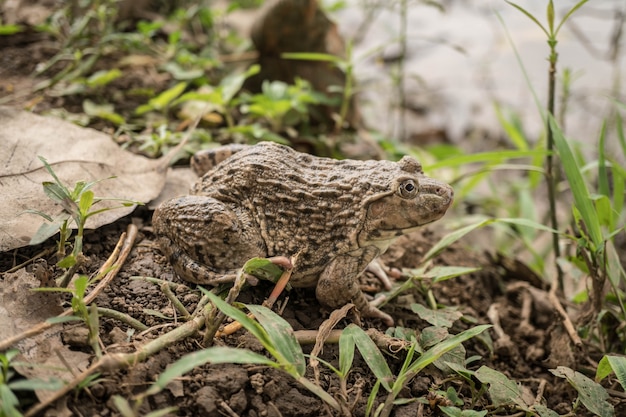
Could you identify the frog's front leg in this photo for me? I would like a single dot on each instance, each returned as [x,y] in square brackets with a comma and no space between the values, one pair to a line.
[205,240]
[338,285]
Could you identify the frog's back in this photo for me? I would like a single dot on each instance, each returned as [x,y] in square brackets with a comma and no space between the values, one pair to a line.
[301,203]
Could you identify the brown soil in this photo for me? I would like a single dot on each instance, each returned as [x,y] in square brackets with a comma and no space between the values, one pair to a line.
[525,351]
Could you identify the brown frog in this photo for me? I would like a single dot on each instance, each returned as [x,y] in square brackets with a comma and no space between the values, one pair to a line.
[270,200]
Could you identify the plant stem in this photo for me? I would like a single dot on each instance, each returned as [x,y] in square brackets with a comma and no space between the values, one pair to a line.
[550,170]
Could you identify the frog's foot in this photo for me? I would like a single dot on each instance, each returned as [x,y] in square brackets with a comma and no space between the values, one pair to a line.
[190,270]
[205,241]
[338,285]
[376,267]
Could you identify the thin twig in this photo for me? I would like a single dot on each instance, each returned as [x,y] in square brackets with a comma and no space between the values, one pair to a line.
[114,361]
[567,322]
[31,260]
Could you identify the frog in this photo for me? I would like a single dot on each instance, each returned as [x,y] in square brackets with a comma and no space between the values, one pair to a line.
[335,217]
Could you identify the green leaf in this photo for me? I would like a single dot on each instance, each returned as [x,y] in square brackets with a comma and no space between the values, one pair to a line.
[85,203]
[182,74]
[371,354]
[282,338]
[449,361]
[603,179]
[67,262]
[444,317]
[456,412]
[10,29]
[443,273]
[251,325]
[484,157]
[231,84]
[54,175]
[544,411]
[103,111]
[63,319]
[346,352]
[49,229]
[616,364]
[80,285]
[530,16]
[591,394]
[8,402]
[163,100]
[577,184]
[103,77]
[217,354]
[512,130]
[438,350]
[123,406]
[312,56]
[550,16]
[56,192]
[567,16]
[36,384]
[263,268]
[502,390]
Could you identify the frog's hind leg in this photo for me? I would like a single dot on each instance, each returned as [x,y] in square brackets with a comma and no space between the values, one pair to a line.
[204,240]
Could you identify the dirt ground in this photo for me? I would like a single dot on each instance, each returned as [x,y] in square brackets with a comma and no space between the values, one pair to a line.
[531,341]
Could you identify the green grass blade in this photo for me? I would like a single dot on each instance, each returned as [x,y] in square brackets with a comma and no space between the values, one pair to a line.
[567,16]
[435,353]
[371,354]
[577,184]
[312,56]
[513,130]
[530,16]
[249,324]
[620,133]
[346,352]
[520,63]
[317,390]
[619,184]
[484,157]
[616,364]
[217,354]
[282,338]
[603,178]
[450,238]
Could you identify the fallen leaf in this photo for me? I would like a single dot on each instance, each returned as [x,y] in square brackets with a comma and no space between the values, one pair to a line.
[75,154]
[21,309]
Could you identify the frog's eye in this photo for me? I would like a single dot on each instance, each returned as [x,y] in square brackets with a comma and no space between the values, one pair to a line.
[408,189]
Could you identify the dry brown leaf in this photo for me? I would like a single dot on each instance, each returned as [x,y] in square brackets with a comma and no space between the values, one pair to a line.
[75,154]
[21,309]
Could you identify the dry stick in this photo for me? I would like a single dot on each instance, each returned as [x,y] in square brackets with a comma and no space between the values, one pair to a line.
[116,361]
[31,260]
[567,322]
[128,239]
[111,260]
[167,290]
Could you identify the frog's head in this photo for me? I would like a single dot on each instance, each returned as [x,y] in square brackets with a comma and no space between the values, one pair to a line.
[410,200]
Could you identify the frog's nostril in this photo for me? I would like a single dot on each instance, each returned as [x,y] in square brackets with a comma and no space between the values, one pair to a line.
[443,191]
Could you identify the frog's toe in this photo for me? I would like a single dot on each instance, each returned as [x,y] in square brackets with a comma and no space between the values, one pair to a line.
[376,267]
[374,312]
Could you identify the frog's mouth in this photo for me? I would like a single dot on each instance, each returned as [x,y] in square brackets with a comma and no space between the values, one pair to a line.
[390,217]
